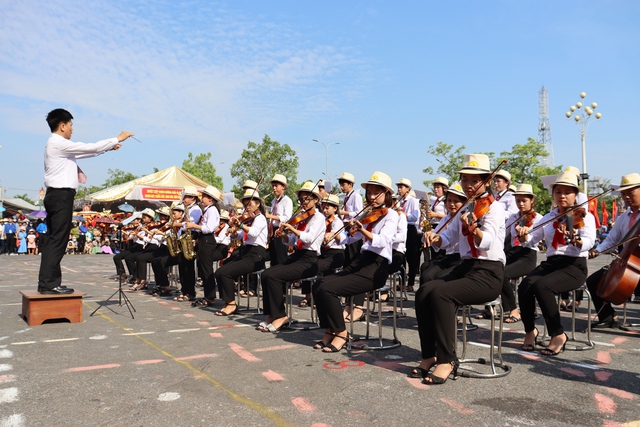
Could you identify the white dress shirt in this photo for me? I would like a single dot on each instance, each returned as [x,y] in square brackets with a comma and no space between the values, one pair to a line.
[619,230]
[312,235]
[512,223]
[258,232]
[210,219]
[400,240]
[587,235]
[60,155]
[411,207]
[352,204]
[492,245]
[282,207]
[384,231]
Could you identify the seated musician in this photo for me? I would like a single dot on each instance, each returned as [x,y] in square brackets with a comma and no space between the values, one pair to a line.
[332,252]
[570,236]
[165,259]
[251,228]
[305,232]
[479,232]
[437,268]
[630,192]
[366,272]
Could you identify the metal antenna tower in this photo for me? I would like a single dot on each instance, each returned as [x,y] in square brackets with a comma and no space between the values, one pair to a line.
[544,127]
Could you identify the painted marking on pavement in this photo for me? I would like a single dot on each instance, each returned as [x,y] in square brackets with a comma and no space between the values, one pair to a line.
[148,362]
[620,393]
[8,395]
[240,351]
[92,368]
[62,340]
[457,406]
[273,376]
[605,404]
[198,356]
[277,347]
[303,405]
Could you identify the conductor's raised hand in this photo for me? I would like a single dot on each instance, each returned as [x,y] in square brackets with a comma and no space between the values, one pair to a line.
[124,135]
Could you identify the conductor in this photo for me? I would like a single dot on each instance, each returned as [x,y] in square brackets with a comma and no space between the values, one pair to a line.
[61,177]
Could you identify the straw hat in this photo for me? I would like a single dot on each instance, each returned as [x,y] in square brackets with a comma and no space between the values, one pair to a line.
[309,187]
[379,178]
[224,214]
[249,184]
[212,191]
[475,164]
[346,176]
[178,207]
[404,181]
[331,199]
[441,180]
[251,194]
[190,190]
[164,211]
[567,178]
[629,181]
[456,189]
[504,174]
[524,190]
[149,212]
[279,178]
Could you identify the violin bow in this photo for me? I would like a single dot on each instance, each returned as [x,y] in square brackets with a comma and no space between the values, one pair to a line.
[568,211]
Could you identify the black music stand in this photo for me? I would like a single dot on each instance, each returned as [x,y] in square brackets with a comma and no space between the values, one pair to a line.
[121,297]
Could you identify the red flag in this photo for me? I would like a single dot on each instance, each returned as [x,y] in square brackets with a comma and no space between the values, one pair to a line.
[614,210]
[593,210]
[605,215]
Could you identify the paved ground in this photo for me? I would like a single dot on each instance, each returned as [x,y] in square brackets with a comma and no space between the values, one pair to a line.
[174,365]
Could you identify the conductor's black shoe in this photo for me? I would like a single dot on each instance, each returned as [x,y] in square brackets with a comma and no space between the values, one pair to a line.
[55,291]
[609,322]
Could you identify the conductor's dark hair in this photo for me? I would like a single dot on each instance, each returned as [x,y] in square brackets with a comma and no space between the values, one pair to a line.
[57,116]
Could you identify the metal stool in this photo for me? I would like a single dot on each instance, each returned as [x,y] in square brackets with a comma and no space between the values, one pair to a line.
[247,277]
[578,345]
[302,325]
[378,343]
[499,369]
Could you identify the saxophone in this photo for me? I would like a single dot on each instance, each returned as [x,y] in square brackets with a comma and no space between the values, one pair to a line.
[425,208]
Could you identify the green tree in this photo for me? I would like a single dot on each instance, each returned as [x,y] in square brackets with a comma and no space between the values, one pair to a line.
[261,161]
[201,167]
[25,198]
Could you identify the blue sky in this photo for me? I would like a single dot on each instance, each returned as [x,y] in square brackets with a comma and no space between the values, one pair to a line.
[385,79]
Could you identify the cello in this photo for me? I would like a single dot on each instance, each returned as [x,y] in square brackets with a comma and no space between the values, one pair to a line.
[623,274]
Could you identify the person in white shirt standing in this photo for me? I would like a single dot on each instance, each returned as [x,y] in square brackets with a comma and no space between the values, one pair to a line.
[61,177]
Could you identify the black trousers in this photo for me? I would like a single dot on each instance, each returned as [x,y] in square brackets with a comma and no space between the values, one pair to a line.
[206,248]
[414,246]
[58,202]
[251,259]
[278,251]
[367,273]
[139,260]
[439,268]
[474,281]
[520,262]
[160,265]
[274,280]
[328,260]
[555,275]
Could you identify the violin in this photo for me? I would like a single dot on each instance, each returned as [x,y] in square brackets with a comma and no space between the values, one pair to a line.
[295,220]
[369,218]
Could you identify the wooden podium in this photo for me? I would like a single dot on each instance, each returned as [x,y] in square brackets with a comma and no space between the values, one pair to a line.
[37,307]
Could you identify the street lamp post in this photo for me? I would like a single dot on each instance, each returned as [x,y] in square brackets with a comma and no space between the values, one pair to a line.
[326,149]
[584,125]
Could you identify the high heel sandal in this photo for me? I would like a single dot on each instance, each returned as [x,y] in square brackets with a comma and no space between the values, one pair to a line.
[548,352]
[531,347]
[435,380]
[330,348]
